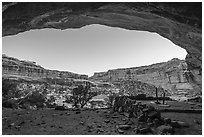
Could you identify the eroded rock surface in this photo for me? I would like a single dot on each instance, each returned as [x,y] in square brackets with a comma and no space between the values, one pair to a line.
[179,22]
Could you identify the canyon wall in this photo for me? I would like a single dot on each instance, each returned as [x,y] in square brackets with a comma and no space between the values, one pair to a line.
[12,67]
[172,76]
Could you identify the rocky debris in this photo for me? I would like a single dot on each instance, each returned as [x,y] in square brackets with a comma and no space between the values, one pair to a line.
[112,122]
[23,122]
[62,108]
[54,114]
[52,126]
[97,111]
[154,114]
[106,111]
[183,124]
[100,130]
[197,122]
[120,131]
[126,114]
[123,127]
[179,124]
[129,122]
[149,118]
[150,124]
[4,118]
[89,128]
[77,112]
[163,129]
[17,127]
[175,124]
[124,119]
[164,105]
[61,114]
[107,115]
[107,121]
[145,130]
[38,124]
[67,113]
[114,116]
[167,121]
[99,126]
[43,122]
[156,122]
[11,125]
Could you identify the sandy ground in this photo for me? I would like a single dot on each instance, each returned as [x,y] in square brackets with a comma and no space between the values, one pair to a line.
[86,122]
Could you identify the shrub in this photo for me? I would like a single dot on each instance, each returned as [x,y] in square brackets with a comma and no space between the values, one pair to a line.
[81,95]
[9,103]
[8,88]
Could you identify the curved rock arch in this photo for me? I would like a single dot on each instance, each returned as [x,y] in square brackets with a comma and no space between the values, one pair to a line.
[181,23]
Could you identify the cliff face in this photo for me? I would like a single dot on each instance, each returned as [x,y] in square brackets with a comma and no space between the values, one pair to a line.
[12,67]
[172,76]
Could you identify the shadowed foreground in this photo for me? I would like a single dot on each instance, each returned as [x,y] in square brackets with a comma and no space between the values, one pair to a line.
[101,121]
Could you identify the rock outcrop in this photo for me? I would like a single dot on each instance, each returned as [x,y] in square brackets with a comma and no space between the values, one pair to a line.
[12,67]
[180,22]
[172,76]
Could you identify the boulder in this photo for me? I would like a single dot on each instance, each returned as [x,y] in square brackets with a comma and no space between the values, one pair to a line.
[120,131]
[107,121]
[129,122]
[11,125]
[167,121]
[183,124]
[150,124]
[156,122]
[141,118]
[149,120]
[17,127]
[100,130]
[197,122]
[145,130]
[114,116]
[175,124]
[154,114]
[165,129]
[99,126]
[136,130]
[124,127]
[107,116]
[164,105]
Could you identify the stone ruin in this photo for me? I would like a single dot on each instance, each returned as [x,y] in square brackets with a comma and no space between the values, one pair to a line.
[149,119]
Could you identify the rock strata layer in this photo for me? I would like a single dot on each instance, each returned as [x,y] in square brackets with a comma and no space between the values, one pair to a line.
[12,67]
[172,76]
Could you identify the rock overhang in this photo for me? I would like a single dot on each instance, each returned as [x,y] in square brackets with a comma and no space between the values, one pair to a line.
[181,23]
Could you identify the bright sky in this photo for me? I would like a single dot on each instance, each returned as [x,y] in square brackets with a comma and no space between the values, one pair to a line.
[93,48]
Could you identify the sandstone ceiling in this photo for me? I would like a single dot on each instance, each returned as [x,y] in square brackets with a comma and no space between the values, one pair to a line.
[181,23]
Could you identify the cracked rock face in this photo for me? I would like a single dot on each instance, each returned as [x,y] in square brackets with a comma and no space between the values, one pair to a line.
[181,23]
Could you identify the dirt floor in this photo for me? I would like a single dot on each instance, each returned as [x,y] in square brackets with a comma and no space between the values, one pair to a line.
[86,122]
